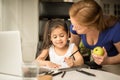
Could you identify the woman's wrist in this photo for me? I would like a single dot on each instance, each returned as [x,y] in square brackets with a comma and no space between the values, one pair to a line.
[106,61]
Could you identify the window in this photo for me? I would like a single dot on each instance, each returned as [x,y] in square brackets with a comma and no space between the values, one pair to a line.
[117,10]
[106,8]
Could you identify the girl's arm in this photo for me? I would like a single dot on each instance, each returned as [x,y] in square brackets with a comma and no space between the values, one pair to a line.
[42,62]
[41,58]
[76,59]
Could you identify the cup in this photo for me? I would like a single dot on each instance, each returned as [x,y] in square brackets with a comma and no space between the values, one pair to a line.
[44,77]
[29,71]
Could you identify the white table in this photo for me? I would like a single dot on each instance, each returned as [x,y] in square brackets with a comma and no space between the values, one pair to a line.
[100,75]
[74,75]
[9,77]
[112,68]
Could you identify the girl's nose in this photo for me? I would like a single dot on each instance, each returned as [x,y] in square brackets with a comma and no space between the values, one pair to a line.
[58,38]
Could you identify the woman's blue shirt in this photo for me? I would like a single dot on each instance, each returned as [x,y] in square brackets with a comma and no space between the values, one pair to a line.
[106,39]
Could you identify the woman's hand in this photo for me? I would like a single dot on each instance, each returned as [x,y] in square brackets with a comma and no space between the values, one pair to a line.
[100,59]
[69,61]
[52,65]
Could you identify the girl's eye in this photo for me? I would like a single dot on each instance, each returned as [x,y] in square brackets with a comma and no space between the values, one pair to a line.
[61,35]
[54,37]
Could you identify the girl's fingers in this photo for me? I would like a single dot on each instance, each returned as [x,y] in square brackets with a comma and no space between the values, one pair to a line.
[69,61]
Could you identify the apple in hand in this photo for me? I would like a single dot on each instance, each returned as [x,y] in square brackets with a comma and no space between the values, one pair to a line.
[98,51]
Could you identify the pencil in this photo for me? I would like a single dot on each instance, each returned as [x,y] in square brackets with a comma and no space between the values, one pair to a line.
[74,53]
[54,74]
[64,72]
[87,73]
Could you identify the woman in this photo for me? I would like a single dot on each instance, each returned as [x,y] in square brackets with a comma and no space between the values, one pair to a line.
[95,29]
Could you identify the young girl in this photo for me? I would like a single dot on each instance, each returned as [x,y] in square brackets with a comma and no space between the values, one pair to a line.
[56,46]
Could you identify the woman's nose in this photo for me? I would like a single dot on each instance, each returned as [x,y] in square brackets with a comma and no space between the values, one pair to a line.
[74,28]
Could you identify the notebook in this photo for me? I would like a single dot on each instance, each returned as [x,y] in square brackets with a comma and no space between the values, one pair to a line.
[10,53]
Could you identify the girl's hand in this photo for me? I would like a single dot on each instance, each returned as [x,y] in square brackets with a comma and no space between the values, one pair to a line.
[100,59]
[69,61]
[52,65]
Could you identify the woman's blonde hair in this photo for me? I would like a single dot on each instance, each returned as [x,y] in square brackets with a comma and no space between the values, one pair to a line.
[89,13]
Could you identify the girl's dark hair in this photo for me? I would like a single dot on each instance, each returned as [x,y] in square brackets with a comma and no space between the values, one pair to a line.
[49,27]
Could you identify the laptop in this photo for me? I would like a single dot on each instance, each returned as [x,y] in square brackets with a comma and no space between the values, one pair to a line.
[10,53]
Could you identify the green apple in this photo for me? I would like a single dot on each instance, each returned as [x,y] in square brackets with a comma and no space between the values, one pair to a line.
[81,45]
[98,51]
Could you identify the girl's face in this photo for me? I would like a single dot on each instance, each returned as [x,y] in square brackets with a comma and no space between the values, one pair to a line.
[79,28]
[59,37]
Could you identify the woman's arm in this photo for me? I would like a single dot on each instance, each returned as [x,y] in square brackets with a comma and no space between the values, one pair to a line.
[105,60]
[115,59]
[74,39]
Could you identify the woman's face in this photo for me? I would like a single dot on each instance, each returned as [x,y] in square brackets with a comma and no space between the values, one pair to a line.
[59,37]
[79,28]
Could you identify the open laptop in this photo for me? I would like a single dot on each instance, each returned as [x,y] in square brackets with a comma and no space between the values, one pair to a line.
[10,53]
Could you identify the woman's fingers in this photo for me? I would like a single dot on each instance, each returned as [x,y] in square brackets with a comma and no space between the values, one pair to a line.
[98,59]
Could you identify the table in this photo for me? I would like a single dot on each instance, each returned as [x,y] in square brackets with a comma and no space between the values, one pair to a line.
[9,77]
[100,75]
[74,75]
[112,68]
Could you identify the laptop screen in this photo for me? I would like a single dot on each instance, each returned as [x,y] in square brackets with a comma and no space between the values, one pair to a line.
[10,53]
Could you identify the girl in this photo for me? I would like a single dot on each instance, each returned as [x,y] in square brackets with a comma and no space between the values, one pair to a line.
[55,44]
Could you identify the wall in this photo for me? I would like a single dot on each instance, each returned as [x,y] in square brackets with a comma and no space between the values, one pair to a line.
[21,15]
[0,15]
[112,3]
